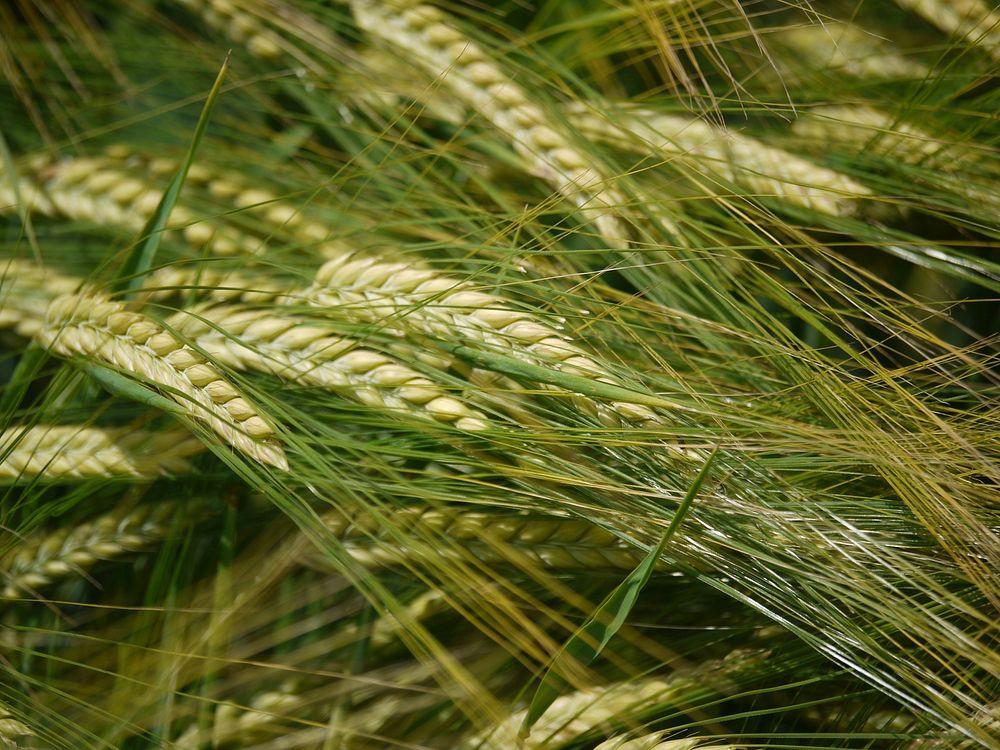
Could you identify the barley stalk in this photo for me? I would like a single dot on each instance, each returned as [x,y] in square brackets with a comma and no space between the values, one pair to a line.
[423,35]
[553,543]
[75,452]
[45,557]
[93,326]
[764,170]
[400,295]
[290,348]
[970,19]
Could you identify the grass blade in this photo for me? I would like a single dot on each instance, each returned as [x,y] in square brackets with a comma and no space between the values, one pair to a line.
[141,258]
[587,643]
[575,383]
[130,389]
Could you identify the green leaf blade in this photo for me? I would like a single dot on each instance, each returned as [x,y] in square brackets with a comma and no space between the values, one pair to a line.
[140,259]
[594,635]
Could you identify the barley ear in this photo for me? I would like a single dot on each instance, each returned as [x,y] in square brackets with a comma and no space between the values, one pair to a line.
[656,741]
[971,19]
[93,326]
[45,557]
[291,348]
[424,34]
[79,451]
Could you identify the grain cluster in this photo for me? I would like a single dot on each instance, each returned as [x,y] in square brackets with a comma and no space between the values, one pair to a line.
[94,326]
[263,340]
[423,34]
[79,451]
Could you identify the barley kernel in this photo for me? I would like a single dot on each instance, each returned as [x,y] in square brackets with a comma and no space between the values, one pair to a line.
[441,35]
[239,409]
[141,331]
[201,375]
[182,359]
[256,427]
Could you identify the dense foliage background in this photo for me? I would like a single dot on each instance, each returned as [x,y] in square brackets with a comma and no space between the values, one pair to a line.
[355,356]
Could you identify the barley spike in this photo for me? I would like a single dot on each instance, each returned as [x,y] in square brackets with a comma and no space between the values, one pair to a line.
[93,326]
[762,169]
[45,557]
[76,452]
[291,348]
[425,35]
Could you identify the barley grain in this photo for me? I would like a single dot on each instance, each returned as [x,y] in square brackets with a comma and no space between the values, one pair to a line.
[576,714]
[106,190]
[387,629]
[656,741]
[209,284]
[878,132]
[94,326]
[12,730]
[552,543]
[402,296]
[242,26]
[46,557]
[26,289]
[74,452]
[243,724]
[423,35]
[291,348]
[765,170]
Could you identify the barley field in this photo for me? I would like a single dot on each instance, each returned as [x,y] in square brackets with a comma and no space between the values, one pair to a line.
[514,375]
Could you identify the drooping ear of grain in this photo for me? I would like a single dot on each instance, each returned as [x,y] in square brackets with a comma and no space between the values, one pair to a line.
[520,541]
[764,170]
[403,296]
[12,731]
[26,289]
[45,557]
[599,708]
[972,20]
[78,451]
[241,24]
[289,347]
[94,326]
[232,723]
[847,48]
[656,741]
[117,188]
[877,132]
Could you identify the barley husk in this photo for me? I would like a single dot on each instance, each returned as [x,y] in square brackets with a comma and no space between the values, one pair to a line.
[45,557]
